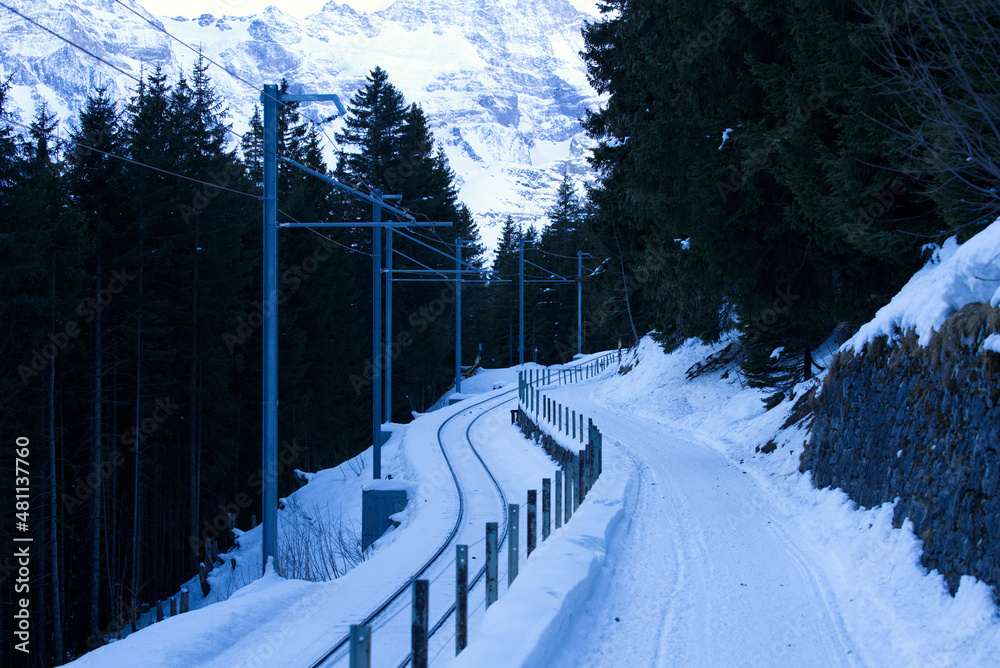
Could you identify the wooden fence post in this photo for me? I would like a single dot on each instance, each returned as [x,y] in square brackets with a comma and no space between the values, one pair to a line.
[461,598]
[159,611]
[491,563]
[570,483]
[418,635]
[599,459]
[560,417]
[581,481]
[361,646]
[581,427]
[512,536]
[587,468]
[567,420]
[546,507]
[203,579]
[185,600]
[574,425]
[173,606]
[592,455]
[558,499]
[532,519]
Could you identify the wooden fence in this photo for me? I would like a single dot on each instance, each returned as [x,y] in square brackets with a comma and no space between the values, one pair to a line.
[557,429]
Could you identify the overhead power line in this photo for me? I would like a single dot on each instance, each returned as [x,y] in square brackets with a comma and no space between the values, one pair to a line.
[146,166]
[71,43]
[320,234]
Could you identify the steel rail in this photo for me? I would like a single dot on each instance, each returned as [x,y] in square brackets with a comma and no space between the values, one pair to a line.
[446,543]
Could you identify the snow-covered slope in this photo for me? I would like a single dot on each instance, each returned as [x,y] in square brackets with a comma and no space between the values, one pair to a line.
[955,275]
[501,80]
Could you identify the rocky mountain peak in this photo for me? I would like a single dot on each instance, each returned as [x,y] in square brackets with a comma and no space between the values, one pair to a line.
[501,81]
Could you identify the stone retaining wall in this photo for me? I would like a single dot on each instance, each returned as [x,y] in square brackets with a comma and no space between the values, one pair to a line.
[921,424]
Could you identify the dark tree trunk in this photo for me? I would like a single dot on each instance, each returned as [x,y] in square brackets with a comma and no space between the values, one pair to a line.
[97,462]
[53,524]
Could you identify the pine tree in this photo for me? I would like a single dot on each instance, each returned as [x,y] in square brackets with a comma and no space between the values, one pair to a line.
[392,149]
[502,293]
[374,125]
[96,186]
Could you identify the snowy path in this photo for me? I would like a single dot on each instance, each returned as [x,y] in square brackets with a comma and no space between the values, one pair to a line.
[706,573]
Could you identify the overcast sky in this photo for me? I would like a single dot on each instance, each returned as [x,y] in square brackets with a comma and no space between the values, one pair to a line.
[300,8]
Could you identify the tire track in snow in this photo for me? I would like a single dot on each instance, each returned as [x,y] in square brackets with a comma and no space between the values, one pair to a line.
[742,591]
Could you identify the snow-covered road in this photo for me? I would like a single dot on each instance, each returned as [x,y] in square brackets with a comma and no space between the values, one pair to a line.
[705,573]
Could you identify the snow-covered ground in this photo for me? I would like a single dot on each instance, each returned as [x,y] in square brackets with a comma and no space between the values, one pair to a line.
[955,275]
[695,548]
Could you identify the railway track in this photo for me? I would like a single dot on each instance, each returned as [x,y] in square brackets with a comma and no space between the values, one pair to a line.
[441,562]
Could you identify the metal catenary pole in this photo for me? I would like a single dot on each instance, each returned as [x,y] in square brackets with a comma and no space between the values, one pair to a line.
[377,338]
[520,301]
[579,302]
[458,314]
[388,324]
[270,99]
[269,497]
[387,374]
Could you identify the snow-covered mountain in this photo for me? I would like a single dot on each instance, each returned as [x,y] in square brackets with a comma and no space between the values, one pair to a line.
[501,80]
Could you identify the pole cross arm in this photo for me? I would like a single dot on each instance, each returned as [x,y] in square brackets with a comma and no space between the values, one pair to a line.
[437,280]
[348,189]
[314,97]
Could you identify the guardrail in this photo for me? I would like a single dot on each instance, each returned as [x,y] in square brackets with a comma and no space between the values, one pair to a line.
[540,418]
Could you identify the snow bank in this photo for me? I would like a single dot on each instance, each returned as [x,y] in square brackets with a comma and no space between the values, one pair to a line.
[527,625]
[955,275]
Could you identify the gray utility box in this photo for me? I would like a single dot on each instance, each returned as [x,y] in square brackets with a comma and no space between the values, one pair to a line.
[376,507]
